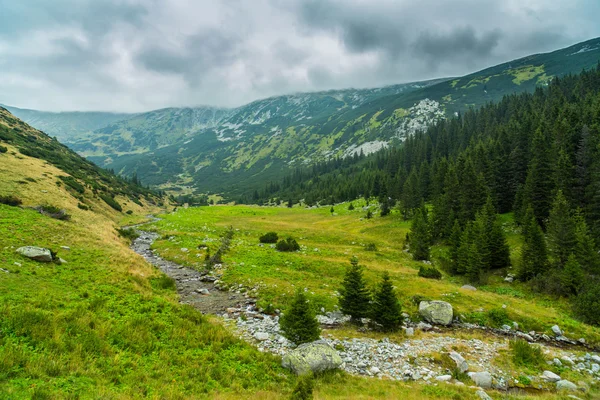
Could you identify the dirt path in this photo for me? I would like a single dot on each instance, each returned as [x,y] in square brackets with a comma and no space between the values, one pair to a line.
[190,283]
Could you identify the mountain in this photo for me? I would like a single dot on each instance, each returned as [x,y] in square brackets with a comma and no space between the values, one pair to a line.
[66,126]
[207,149]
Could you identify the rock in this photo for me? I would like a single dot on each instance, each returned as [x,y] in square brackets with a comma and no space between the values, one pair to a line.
[483,395]
[515,325]
[460,362]
[557,362]
[436,312]
[62,261]
[374,370]
[566,385]
[509,279]
[481,379]
[18,264]
[444,378]
[550,376]
[567,360]
[506,327]
[35,253]
[312,357]
[595,368]
[65,248]
[262,336]
[424,326]
[410,331]
[596,359]
[203,291]
[556,330]
[469,287]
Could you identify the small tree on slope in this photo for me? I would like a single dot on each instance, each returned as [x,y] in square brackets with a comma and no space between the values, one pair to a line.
[386,310]
[355,296]
[299,323]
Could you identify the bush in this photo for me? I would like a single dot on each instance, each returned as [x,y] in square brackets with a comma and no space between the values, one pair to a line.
[371,247]
[10,200]
[129,212]
[128,233]
[73,184]
[304,388]
[288,244]
[83,206]
[53,212]
[429,272]
[497,317]
[418,298]
[525,354]
[587,303]
[111,202]
[163,282]
[299,323]
[3,149]
[351,207]
[269,237]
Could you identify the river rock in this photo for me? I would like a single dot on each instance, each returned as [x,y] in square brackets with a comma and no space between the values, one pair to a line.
[481,379]
[461,363]
[566,385]
[35,253]
[550,376]
[312,357]
[436,312]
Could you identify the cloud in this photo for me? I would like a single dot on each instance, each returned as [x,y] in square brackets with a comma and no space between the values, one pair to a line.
[136,55]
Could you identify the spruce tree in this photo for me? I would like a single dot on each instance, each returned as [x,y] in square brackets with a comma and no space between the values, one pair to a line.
[420,238]
[572,276]
[454,243]
[354,294]
[561,230]
[585,247]
[386,311]
[496,251]
[299,323]
[534,255]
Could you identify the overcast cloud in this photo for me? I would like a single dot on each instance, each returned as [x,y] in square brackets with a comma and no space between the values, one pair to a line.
[138,55]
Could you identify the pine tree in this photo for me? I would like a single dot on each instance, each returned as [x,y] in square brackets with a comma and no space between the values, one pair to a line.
[561,230]
[496,251]
[420,238]
[534,255]
[386,311]
[585,247]
[354,294]
[572,276]
[299,323]
[454,243]
[351,207]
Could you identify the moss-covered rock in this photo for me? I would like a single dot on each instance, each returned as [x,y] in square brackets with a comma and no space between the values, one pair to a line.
[312,357]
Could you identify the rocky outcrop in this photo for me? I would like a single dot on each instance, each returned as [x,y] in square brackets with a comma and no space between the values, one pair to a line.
[436,312]
[36,253]
[312,357]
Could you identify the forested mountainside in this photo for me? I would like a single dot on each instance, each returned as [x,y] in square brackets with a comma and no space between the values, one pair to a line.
[259,141]
[534,154]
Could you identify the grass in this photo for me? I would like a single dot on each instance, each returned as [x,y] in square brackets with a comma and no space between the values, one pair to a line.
[327,243]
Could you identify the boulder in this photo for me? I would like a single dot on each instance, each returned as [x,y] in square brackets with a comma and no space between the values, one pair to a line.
[596,358]
[556,330]
[550,376]
[203,291]
[468,287]
[261,336]
[312,357]
[35,253]
[436,312]
[566,385]
[481,379]
[423,326]
[483,395]
[461,363]
[444,378]
[410,331]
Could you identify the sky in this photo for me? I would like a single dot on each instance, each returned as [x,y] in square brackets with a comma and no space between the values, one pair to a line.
[139,55]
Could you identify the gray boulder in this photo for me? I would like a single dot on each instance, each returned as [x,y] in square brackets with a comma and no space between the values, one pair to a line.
[483,395]
[556,330]
[312,357]
[461,363]
[550,376]
[35,253]
[436,312]
[468,287]
[481,379]
[566,385]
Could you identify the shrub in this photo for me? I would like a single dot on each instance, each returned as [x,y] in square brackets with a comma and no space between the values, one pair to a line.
[371,247]
[304,388]
[429,272]
[111,202]
[83,206]
[10,200]
[299,323]
[288,244]
[129,212]
[269,237]
[73,184]
[418,298]
[369,214]
[3,149]
[128,233]
[53,212]
[525,354]
[351,207]
[497,317]
[163,282]
[587,303]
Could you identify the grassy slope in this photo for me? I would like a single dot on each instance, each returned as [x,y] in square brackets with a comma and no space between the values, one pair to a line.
[330,241]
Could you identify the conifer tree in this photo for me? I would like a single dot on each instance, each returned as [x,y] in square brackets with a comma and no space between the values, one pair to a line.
[496,251]
[572,276]
[561,230]
[585,247]
[386,310]
[420,238]
[534,256]
[464,249]
[354,294]
[454,243]
[299,323]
